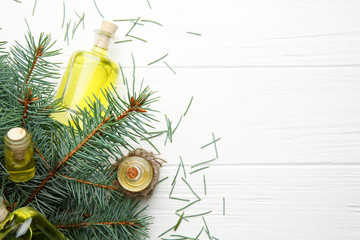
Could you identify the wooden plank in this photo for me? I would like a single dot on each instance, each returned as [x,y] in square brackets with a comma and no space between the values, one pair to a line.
[268,202]
[233,33]
[283,115]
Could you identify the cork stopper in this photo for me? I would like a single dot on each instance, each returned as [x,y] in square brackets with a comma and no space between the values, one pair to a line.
[106,32]
[16,134]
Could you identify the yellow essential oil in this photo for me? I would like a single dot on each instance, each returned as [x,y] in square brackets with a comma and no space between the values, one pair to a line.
[135,174]
[26,223]
[87,75]
[19,159]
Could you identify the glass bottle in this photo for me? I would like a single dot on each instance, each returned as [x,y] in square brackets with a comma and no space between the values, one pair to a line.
[135,173]
[19,158]
[26,223]
[87,73]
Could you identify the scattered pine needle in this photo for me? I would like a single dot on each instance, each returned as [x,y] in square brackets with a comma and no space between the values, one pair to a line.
[180,209]
[149,4]
[191,188]
[163,179]
[204,184]
[158,59]
[124,41]
[63,20]
[177,172]
[223,206]
[198,164]
[151,21]
[98,9]
[193,33]
[200,169]
[169,67]
[34,8]
[187,109]
[132,27]
[182,164]
[212,142]
[198,215]
[178,222]
[166,231]
[137,38]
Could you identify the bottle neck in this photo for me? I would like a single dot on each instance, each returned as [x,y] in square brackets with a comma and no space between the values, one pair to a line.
[100,50]
[3,211]
[102,41]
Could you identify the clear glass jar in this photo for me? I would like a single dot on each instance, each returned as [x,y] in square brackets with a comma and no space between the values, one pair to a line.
[135,174]
[19,155]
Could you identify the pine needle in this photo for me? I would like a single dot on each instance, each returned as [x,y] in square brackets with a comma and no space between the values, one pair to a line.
[141,39]
[183,217]
[151,21]
[169,67]
[137,20]
[182,164]
[187,109]
[193,33]
[63,20]
[200,169]
[198,215]
[215,144]
[149,4]
[202,229]
[166,231]
[162,180]
[178,222]
[77,25]
[34,8]
[172,189]
[158,59]
[191,188]
[180,199]
[212,142]
[123,41]
[198,164]
[223,206]
[204,184]
[207,229]
[177,172]
[98,9]
[180,209]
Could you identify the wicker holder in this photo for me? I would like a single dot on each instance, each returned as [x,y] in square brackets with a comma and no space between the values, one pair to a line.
[156,164]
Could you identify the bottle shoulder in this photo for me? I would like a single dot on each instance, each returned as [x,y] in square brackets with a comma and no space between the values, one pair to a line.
[92,56]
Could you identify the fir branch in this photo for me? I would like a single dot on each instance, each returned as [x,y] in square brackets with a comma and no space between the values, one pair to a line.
[135,106]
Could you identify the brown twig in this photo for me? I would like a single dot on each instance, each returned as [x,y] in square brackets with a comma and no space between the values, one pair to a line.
[79,225]
[91,183]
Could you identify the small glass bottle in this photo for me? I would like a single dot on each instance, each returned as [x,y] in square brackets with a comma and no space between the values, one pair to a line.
[19,158]
[135,174]
[26,223]
[87,74]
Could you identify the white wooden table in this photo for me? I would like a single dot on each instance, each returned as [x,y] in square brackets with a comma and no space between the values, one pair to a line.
[277,80]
